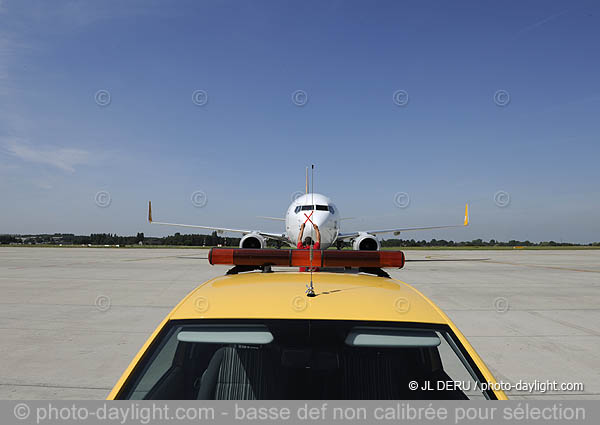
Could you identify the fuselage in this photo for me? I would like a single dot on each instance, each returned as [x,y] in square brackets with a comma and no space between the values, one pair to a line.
[313,208]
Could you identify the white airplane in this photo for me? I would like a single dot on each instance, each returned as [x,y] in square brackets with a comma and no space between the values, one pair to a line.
[310,209]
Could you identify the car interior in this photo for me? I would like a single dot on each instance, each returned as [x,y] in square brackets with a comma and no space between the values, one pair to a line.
[296,360]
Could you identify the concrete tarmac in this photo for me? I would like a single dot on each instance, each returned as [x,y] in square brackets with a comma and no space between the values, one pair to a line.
[71,319]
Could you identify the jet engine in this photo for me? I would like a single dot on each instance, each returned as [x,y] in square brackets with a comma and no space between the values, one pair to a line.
[365,242]
[253,240]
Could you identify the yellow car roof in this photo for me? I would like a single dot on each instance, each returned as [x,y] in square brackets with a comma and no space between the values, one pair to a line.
[280,295]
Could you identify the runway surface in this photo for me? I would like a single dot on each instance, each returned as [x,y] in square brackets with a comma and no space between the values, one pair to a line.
[71,319]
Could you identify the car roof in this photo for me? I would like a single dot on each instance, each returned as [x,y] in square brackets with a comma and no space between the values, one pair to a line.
[281,295]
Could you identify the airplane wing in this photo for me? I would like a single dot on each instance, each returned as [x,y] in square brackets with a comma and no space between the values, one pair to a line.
[279,236]
[271,218]
[405,229]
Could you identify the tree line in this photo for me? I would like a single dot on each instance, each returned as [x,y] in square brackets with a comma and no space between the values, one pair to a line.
[474,242]
[215,239]
[113,239]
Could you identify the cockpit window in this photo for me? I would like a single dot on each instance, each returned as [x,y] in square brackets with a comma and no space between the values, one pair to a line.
[310,208]
[331,210]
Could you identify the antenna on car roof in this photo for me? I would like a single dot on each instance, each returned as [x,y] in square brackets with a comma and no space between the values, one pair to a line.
[310,290]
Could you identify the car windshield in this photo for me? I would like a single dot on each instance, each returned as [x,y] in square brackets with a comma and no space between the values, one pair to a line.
[303,359]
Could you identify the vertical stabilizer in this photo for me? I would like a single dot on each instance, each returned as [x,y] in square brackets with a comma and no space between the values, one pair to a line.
[306,191]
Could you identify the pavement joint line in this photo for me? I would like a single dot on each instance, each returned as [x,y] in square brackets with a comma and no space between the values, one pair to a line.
[158,258]
[91,305]
[54,386]
[543,267]
[79,279]
[565,323]
[519,309]
[77,330]
[553,394]
[549,395]
[531,336]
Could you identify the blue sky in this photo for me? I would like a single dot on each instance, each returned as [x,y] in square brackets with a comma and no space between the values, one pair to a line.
[247,147]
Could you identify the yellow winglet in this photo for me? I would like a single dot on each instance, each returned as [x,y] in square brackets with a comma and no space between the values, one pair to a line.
[466,223]
[149,211]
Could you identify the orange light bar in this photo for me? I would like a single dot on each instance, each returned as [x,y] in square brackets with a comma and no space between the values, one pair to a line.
[301,258]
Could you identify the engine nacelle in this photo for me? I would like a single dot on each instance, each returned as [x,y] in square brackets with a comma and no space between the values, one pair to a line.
[366,242]
[253,240]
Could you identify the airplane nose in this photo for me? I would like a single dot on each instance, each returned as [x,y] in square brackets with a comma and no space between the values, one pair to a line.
[320,217]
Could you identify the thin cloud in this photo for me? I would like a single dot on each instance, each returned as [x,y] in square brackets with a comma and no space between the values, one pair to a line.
[65,159]
[11,48]
[6,54]
[43,184]
[540,23]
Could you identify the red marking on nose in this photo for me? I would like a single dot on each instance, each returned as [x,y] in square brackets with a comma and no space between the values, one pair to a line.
[308,218]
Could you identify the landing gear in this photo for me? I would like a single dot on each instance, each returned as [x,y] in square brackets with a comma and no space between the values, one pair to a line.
[339,245]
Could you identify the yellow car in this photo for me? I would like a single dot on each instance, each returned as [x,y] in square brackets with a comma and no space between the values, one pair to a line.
[259,336]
